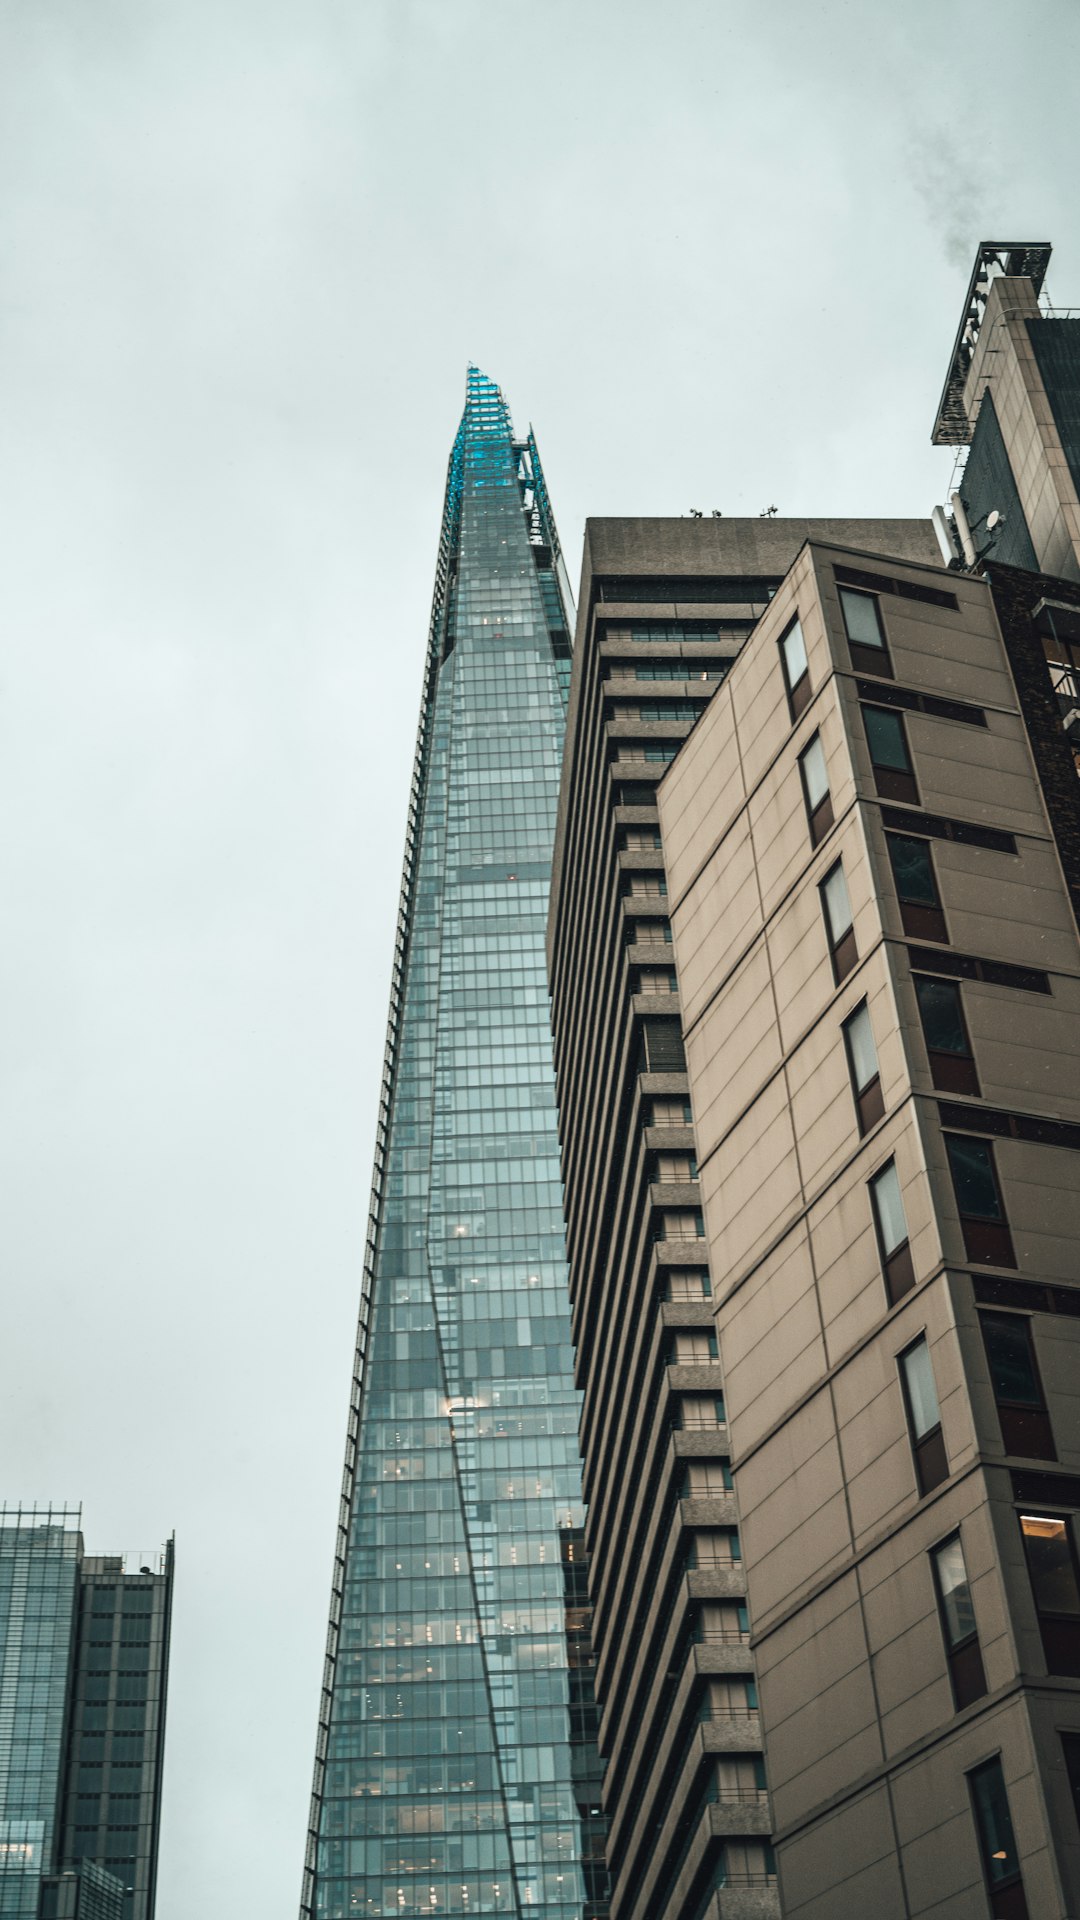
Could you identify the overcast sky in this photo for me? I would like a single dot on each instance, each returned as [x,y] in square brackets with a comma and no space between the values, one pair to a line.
[716,253]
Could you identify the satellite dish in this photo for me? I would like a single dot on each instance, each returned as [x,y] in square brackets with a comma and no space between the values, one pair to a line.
[995,519]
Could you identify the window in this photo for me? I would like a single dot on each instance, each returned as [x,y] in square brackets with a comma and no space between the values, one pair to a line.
[865,633]
[719,1547]
[696,1410]
[968,966]
[836,907]
[815,780]
[958,1627]
[892,1232]
[978,1200]
[964,832]
[886,738]
[678,1167]
[924,1419]
[656,980]
[1070,1747]
[796,670]
[916,887]
[908,589]
[692,1347]
[706,1477]
[1055,1588]
[997,1847]
[863,1067]
[662,1046]
[683,1223]
[686,1283]
[649,933]
[671,1112]
[1018,1394]
[720,1620]
[952,1065]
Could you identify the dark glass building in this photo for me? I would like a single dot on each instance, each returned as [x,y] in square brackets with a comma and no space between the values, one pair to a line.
[456,1769]
[84,1648]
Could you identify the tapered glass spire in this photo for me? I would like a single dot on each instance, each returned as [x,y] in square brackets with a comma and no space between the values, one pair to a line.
[457,1771]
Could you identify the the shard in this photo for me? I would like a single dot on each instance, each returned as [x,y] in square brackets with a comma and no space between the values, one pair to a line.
[456,1769]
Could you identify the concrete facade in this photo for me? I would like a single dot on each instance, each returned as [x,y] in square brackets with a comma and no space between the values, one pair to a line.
[887,1121]
[665,607]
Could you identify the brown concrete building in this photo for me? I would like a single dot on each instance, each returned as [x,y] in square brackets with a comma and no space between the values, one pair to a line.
[665,607]
[871,847]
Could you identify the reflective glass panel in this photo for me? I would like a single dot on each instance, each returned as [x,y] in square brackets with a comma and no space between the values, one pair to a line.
[837,905]
[815,776]
[913,870]
[972,1165]
[942,1019]
[885,738]
[862,1052]
[889,1208]
[921,1392]
[794,651]
[956,1605]
[454,1782]
[861,618]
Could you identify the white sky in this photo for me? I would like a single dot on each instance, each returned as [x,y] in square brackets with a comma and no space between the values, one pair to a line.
[716,253]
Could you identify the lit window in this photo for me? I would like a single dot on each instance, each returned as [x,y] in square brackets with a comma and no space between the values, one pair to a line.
[1055,1587]
[997,1845]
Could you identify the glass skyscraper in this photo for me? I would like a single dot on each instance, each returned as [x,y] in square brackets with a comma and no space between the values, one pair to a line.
[456,1770]
[84,1648]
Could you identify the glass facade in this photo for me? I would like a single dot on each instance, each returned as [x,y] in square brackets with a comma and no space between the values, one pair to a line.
[83,1662]
[456,1770]
[39,1587]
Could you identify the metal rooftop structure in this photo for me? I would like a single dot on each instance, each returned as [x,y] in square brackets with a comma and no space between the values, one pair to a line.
[1018,259]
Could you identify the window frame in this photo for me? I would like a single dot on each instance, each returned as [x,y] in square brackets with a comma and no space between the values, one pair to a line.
[1060,1631]
[1025,1425]
[869,1098]
[950,1072]
[866,658]
[843,951]
[799,691]
[963,1657]
[892,783]
[1004,1891]
[919,919]
[929,1455]
[820,817]
[987,1241]
[898,1268]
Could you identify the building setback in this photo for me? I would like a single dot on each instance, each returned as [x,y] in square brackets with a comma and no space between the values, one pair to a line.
[457,1769]
[84,1649]
[871,844]
[665,607]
